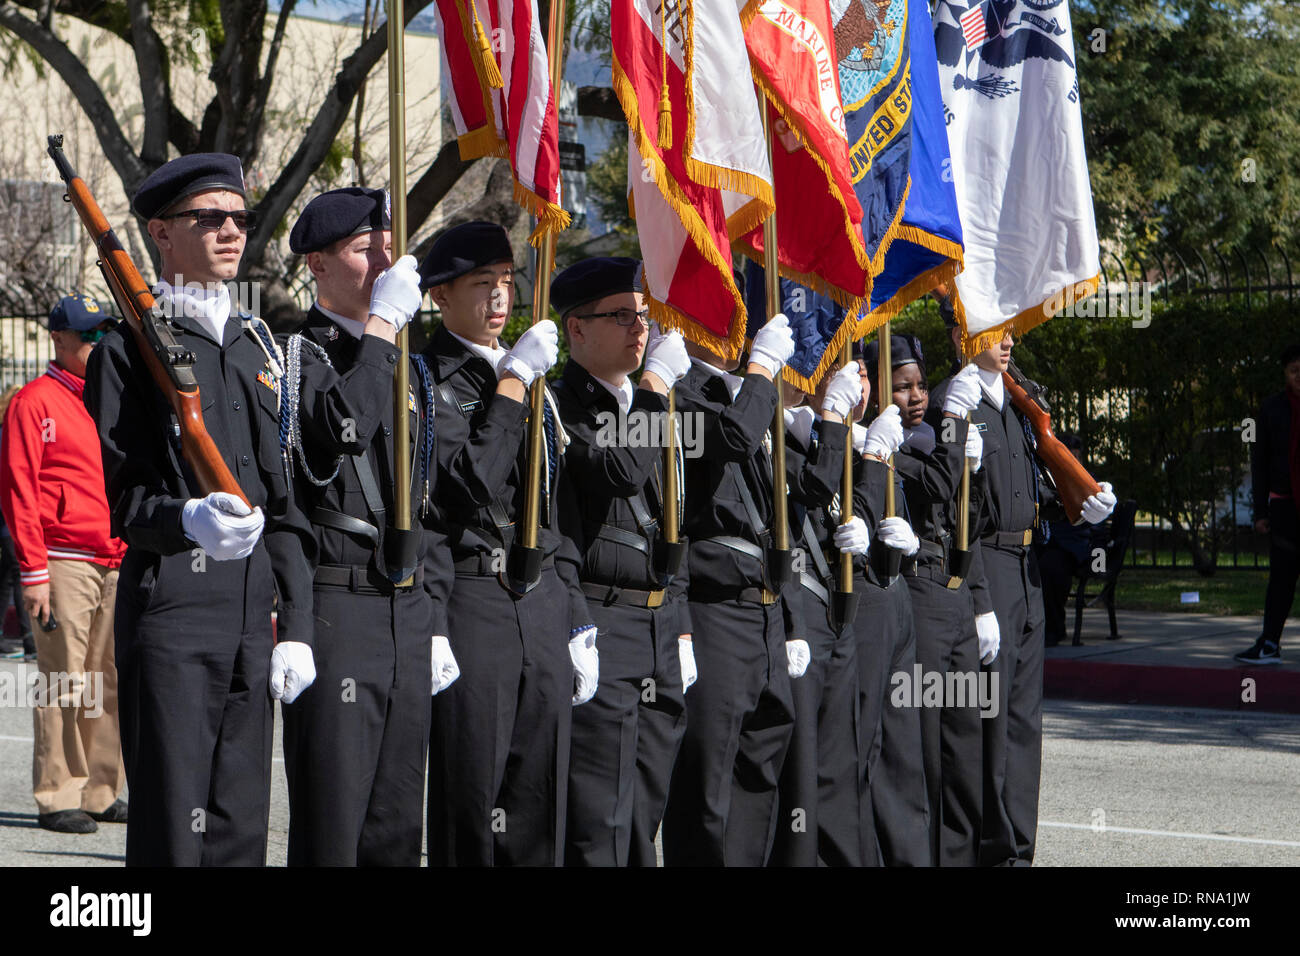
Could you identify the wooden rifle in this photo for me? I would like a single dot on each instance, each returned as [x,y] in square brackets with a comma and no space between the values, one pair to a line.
[170,364]
[1073,483]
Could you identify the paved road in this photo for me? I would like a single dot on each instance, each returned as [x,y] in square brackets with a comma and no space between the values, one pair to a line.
[1123,785]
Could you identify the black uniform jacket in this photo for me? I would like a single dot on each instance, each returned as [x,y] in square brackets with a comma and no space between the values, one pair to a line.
[344,495]
[148,482]
[481,456]
[1270,455]
[733,452]
[813,477]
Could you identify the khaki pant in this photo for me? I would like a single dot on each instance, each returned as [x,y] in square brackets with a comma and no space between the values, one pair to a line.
[77,759]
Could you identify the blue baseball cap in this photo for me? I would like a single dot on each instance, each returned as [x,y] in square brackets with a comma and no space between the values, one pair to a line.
[81,313]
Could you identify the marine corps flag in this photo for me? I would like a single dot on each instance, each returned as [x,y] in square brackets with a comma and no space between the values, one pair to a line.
[898,150]
[1008,78]
[697,159]
[818,218]
[501,99]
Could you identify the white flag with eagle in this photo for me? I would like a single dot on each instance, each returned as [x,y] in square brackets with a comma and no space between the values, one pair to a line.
[1015,131]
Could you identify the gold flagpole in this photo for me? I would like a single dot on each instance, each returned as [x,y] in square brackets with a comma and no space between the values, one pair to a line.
[397,190]
[670,472]
[884,395]
[846,483]
[542,306]
[780,521]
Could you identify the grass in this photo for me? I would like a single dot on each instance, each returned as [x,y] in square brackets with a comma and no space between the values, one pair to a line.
[1238,592]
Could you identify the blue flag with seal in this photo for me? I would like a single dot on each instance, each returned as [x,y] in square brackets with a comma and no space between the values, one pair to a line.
[898,150]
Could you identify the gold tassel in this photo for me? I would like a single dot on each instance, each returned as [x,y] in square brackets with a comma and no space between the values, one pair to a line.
[487,62]
[665,120]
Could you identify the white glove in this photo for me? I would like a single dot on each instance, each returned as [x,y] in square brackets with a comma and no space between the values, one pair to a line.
[975,448]
[773,345]
[686,655]
[445,668]
[222,525]
[797,656]
[844,392]
[885,434]
[533,354]
[986,626]
[898,534]
[586,665]
[1097,508]
[395,296]
[293,668]
[665,355]
[852,537]
[963,392]
[859,438]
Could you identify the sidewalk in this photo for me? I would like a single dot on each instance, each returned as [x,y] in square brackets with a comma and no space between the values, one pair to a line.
[1179,659]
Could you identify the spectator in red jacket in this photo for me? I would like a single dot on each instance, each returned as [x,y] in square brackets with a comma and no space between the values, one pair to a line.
[52,494]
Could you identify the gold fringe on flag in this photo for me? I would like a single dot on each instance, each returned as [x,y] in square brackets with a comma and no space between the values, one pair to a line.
[974,344]
[481,52]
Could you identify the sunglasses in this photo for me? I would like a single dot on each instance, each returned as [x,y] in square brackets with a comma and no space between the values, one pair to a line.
[624,317]
[93,335]
[244,219]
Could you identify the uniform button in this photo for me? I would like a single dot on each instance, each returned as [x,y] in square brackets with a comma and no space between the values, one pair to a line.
[1017,494]
[392,359]
[235,405]
[243,460]
[387,430]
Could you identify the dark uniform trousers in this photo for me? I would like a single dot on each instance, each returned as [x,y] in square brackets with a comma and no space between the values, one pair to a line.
[722,804]
[1013,751]
[355,742]
[194,709]
[894,770]
[951,736]
[193,635]
[820,817]
[498,757]
[626,738]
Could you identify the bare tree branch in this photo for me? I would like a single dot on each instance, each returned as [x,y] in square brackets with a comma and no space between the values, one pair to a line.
[128,166]
[600,102]
[437,181]
[253,133]
[155,95]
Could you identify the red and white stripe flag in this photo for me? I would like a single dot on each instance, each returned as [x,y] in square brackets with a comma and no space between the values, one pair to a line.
[972,26]
[501,99]
[697,159]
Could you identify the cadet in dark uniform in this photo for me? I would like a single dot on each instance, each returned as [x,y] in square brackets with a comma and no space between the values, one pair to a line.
[356,741]
[1014,499]
[625,740]
[722,801]
[820,817]
[931,463]
[499,747]
[193,617]
[898,823]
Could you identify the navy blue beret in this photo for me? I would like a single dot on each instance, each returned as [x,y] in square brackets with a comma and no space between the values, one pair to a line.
[593,279]
[462,249]
[80,313]
[186,176]
[903,350]
[340,214]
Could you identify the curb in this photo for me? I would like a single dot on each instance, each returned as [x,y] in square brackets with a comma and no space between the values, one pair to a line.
[1275,690]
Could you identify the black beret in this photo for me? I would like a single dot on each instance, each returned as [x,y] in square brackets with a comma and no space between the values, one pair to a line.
[593,279]
[903,350]
[339,214]
[186,176]
[79,312]
[462,249]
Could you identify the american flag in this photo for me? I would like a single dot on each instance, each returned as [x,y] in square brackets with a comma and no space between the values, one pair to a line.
[972,26]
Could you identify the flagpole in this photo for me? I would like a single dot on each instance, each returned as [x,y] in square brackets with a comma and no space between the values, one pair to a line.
[400,554]
[525,569]
[846,483]
[780,519]
[884,395]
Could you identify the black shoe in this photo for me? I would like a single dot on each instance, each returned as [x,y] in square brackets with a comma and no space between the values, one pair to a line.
[1263,652]
[67,821]
[114,814]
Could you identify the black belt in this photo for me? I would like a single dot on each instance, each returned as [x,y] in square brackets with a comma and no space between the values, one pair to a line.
[357,579]
[481,564]
[712,595]
[608,594]
[1010,540]
[937,575]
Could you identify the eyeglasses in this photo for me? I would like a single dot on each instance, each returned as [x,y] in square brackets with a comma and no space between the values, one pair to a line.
[624,317]
[244,219]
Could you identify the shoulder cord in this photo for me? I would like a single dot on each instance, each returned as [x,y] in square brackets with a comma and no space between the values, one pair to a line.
[426,440]
[290,424]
